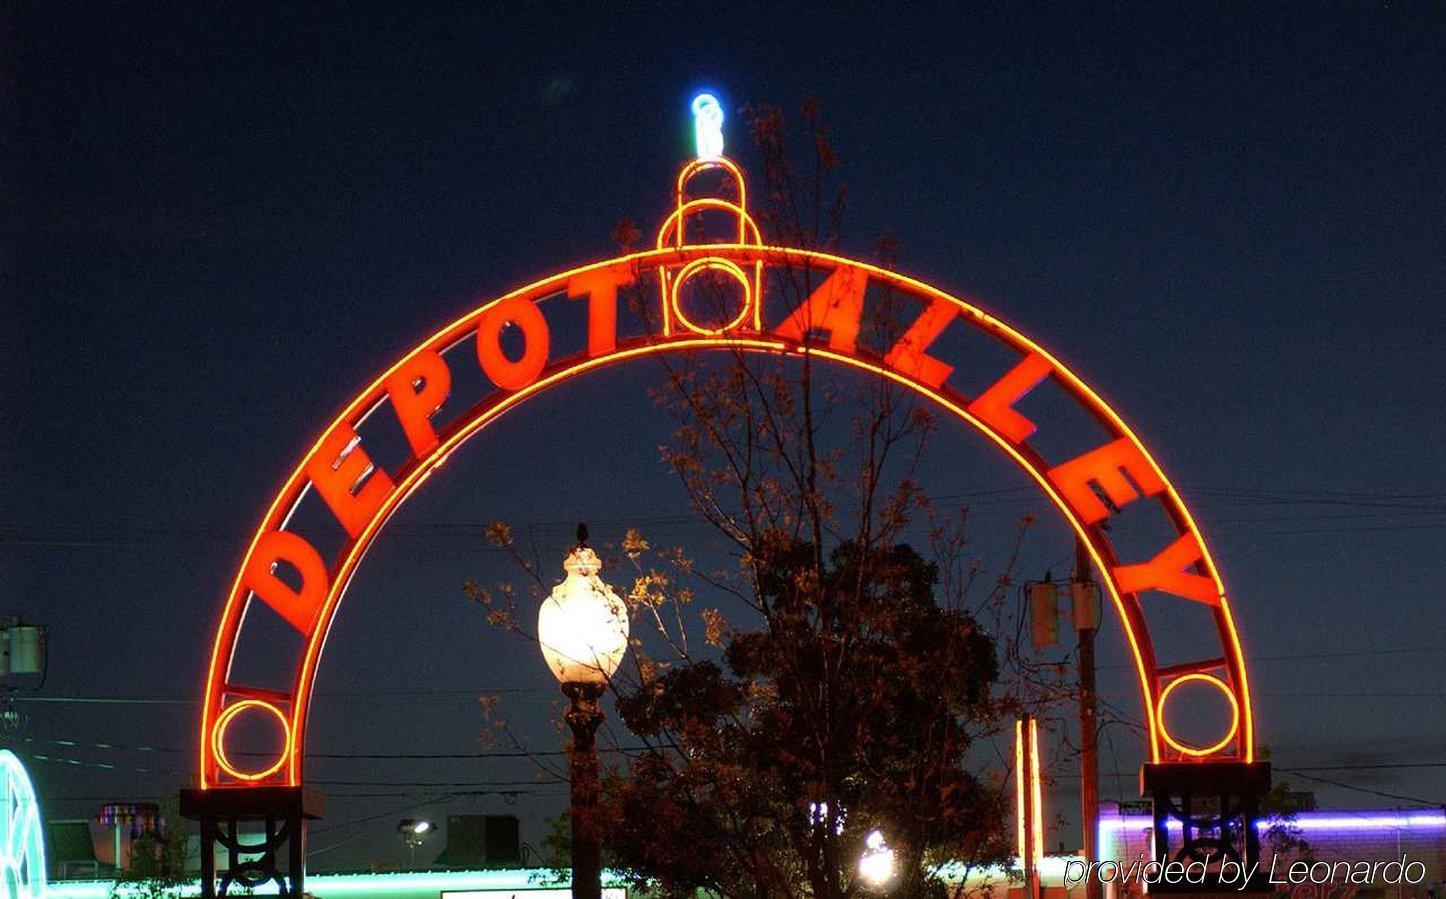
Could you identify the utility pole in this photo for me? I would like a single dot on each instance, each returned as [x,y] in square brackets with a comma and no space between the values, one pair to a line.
[1086,601]
[582,629]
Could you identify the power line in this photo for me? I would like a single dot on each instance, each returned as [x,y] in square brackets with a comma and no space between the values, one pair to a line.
[490,691]
[1402,766]
[1369,767]
[415,756]
[499,754]
[326,693]
[555,781]
[1364,766]
[334,794]
[444,797]
[121,534]
[1341,654]
[1346,786]
[106,700]
[107,766]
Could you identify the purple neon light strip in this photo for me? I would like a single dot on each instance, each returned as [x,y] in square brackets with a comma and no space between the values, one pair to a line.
[1308,821]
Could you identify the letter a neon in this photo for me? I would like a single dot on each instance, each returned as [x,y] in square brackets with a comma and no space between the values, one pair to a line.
[835,307]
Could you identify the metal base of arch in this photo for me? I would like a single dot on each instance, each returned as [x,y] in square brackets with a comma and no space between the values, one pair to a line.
[279,857]
[1206,812]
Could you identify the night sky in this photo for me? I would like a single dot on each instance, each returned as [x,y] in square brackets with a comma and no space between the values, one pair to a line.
[219,224]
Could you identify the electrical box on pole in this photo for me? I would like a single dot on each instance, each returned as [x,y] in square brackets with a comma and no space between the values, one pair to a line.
[1043,599]
[23,660]
[22,649]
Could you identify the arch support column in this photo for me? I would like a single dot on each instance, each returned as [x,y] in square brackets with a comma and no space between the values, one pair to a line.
[228,818]
[1215,807]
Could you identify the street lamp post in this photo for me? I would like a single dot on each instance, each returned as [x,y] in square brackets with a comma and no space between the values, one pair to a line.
[583,717]
[583,631]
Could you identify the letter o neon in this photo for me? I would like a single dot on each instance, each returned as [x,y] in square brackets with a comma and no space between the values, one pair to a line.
[1218,684]
[504,372]
[224,721]
[711,263]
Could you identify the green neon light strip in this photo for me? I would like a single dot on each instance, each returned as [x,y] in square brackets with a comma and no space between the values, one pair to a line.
[520,879]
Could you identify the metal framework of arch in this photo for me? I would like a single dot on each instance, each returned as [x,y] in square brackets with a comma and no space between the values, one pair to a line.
[1110,476]
[22,849]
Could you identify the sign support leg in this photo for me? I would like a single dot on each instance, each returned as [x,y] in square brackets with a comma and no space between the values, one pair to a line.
[278,857]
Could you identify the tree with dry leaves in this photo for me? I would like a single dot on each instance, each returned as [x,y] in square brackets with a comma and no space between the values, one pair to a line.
[843,664]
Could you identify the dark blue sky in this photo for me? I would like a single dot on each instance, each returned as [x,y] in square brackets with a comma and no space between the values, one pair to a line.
[220,223]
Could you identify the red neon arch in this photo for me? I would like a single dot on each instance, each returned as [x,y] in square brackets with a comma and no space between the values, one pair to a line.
[1184,571]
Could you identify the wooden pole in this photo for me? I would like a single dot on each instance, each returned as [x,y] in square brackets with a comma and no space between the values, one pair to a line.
[1089,782]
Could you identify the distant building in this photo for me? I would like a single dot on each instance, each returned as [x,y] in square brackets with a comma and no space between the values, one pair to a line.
[481,841]
[70,853]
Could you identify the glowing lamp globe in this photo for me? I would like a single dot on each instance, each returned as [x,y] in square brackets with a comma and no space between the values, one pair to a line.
[876,865]
[583,625]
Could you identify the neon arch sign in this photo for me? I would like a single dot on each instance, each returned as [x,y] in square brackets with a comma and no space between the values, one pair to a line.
[22,844]
[1092,485]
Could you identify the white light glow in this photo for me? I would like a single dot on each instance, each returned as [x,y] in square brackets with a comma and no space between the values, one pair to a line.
[818,816]
[708,126]
[876,865]
[583,625]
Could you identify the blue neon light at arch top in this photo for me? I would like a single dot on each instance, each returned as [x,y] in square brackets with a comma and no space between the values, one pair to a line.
[708,126]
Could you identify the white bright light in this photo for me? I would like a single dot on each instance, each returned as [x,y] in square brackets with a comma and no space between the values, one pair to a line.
[818,815]
[708,126]
[583,625]
[876,865]
[421,827]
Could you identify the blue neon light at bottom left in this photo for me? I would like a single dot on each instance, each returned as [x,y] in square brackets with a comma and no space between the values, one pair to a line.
[22,842]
